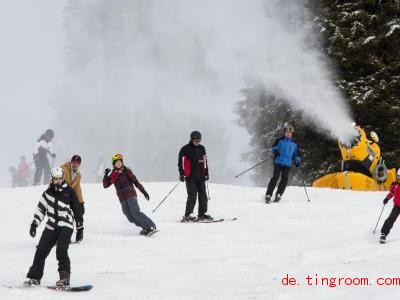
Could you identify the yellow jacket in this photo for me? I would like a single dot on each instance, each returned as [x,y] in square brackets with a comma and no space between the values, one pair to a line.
[74,184]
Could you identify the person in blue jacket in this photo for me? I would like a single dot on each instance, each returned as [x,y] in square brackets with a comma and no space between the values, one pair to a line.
[285,152]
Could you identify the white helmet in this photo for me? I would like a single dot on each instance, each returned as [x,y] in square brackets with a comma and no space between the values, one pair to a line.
[398,173]
[57,172]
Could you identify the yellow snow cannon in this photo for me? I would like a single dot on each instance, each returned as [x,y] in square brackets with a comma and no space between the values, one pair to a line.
[363,168]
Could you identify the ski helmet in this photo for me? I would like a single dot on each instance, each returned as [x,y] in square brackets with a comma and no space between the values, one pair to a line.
[57,172]
[195,135]
[116,157]
[49,133]
[76,158]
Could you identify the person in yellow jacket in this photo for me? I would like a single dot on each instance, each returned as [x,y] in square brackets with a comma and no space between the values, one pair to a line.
[72,177]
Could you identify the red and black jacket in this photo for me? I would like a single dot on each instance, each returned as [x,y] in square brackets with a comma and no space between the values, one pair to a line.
[123,180]
[192,162]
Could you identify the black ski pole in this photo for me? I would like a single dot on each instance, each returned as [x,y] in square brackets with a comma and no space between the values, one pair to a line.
[208,192]
[304,184]
[379,218]
[170,192]
[251,168]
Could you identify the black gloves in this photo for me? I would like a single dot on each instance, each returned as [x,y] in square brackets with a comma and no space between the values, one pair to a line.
[32,230]
[182,178]
[79,235]
[297,163]
[79,231]
[146,195]
[106,172]
[83,208]
[206,177]
[386,200]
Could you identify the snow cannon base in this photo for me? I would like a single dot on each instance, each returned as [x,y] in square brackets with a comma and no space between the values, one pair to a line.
[354,181]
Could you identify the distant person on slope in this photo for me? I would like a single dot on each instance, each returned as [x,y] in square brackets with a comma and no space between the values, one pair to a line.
[395,194]
[193,168]
[24,172]
[43,147]
[57,202]
[285,152]
[124,181]
[72,177]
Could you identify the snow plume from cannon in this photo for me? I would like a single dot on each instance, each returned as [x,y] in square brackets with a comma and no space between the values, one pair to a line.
[287,60]
[143,74]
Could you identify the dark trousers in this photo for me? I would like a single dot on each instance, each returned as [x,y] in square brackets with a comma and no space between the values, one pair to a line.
[282,171]
[61,237]
[42,167]
[387,226]
[131,210]
[196,187]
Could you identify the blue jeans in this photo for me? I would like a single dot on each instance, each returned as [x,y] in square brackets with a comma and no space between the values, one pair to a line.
[131,210]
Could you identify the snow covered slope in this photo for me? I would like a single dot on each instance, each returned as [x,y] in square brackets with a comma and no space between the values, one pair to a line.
[246,259]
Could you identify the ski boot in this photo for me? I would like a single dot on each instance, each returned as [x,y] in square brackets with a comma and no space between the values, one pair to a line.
[205,218]
[382,239]
[188,219]
[268,199]
[277,198]
[63,283]
[149,231]
[31,283]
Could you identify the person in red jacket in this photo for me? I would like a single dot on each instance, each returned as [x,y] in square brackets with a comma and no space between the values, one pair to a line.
[124,181]
[394,193]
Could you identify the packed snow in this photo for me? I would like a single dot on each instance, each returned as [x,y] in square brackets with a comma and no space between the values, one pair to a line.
[245,259]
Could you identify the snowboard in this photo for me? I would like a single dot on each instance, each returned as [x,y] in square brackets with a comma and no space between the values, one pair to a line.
[82,288]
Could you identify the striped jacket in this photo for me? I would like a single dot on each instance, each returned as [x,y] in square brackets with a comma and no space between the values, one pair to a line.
[57,202]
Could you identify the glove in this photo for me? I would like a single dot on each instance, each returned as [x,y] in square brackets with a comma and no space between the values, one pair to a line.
[385,201]
[297,163]
[146,195]
[32,230]
[79,234]
[83,208]
[206,177]
[53,155]
[106,172]
[182,178]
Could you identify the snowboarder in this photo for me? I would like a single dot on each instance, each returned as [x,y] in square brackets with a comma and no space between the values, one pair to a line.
[43,147]
[24,172]
[395,194]
[72,177]
[57,202]
[285,151]
[193,168]
[124,181]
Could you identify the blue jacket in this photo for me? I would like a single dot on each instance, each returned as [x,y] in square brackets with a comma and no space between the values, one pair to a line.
[285,151]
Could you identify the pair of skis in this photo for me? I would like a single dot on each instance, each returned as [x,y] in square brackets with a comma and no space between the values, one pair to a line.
[209,221]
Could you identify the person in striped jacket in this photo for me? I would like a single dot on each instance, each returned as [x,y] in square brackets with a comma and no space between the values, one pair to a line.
[60,203]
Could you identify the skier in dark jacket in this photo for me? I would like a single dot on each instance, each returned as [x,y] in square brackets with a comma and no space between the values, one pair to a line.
[124,181]
[193,168]
[57,202]
[285,151]
[43,147]
[395,194]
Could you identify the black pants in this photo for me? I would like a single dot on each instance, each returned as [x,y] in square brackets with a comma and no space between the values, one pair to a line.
[42,167]
[196,187]
[387,226]
[61,237]
[278,170]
